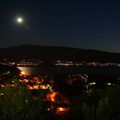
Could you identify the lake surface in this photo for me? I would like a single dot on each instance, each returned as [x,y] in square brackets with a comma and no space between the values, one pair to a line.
[71,70]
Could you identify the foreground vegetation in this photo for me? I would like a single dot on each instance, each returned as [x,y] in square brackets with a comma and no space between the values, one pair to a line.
[99,105]
[18,103]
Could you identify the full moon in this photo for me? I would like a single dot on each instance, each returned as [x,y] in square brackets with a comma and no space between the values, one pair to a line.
[20,20]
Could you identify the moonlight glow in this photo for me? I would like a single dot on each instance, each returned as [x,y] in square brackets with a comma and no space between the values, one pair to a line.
[20,20]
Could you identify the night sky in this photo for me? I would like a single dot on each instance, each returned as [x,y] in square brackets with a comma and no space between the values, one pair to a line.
[89,24]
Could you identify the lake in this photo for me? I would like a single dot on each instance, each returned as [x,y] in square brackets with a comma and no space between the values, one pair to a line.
[56,70]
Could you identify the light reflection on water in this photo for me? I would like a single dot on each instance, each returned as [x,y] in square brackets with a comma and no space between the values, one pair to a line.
[36,70]
[26,70]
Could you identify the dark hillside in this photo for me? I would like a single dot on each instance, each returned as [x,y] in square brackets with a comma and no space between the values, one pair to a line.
[51,53]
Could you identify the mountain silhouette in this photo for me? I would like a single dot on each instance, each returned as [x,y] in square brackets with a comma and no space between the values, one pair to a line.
[53,53]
